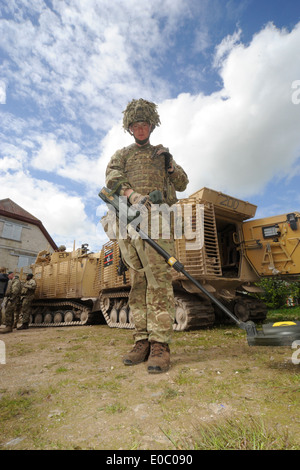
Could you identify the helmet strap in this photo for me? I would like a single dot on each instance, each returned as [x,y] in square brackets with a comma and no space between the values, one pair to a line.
[141,142]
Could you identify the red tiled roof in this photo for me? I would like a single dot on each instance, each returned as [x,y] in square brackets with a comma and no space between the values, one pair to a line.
[9,208]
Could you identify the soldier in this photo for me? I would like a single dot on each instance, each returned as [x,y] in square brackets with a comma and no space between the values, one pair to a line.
[3,286]
[28,290]
[61,248]
[3,282]
[134,172]
[12,305]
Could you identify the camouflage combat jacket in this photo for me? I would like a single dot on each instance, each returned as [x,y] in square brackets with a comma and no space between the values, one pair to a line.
[13,290]
[28,289]
[143,170]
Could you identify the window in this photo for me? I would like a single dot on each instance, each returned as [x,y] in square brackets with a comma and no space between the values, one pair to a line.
[12,231]
[25,261]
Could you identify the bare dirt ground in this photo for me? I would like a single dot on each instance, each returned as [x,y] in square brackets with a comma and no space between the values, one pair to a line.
[67,388]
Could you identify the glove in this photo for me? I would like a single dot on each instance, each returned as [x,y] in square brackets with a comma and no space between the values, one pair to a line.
[168,158]
[136,198]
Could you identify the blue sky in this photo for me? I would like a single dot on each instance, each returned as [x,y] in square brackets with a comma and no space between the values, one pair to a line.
[224,73]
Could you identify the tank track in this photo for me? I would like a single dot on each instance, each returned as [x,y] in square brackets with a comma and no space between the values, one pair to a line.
[69,311]
[191,311]
[249,308]
[245,308]
[117,301]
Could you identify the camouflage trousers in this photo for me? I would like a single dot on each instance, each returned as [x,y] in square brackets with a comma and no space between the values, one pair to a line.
[26,309]
[151,299]
[12,311]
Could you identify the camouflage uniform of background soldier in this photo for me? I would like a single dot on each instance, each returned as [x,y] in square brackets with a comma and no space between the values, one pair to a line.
[28,290]
[12,303]
[3,283]
[134,172]
[3,286]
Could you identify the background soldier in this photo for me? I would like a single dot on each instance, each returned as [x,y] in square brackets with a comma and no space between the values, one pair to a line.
[135,172]
[28,290]
[12,304]
[3,286]
[3,282]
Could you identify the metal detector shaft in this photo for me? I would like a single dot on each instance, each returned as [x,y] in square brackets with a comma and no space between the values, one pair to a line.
[180,268]
[112,199]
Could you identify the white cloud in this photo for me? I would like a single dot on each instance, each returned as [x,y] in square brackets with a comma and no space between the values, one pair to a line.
[2,92]
[226,46]
[239,138]
[50,156]
[13,157]
[235,140]
[79,65]
[62,214]
[87,56]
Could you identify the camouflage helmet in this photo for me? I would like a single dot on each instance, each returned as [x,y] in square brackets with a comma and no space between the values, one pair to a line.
[140,110]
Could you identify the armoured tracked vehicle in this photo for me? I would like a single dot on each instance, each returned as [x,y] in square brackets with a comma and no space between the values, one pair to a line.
[232,253]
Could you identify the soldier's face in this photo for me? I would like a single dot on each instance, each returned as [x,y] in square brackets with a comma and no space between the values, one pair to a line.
[141,130]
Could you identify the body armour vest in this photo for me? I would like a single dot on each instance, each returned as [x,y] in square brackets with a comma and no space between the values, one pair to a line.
[146,171]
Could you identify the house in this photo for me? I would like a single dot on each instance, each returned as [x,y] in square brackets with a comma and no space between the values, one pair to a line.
[22,237]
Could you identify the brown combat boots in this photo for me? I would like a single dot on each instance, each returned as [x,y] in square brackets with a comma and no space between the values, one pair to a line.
[138,354]
[159,358]
[7,329]
[24,326]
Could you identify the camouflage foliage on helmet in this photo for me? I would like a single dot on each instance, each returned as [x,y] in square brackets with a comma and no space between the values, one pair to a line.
[140,110]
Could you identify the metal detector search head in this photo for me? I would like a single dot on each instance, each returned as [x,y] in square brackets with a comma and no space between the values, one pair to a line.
[276,334]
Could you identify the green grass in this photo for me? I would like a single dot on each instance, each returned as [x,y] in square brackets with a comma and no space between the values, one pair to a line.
[11,407]
[235,434]
[220,394]
[115,408]
[281,314]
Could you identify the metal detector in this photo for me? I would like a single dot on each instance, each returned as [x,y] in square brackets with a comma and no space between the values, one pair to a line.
[272,334]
